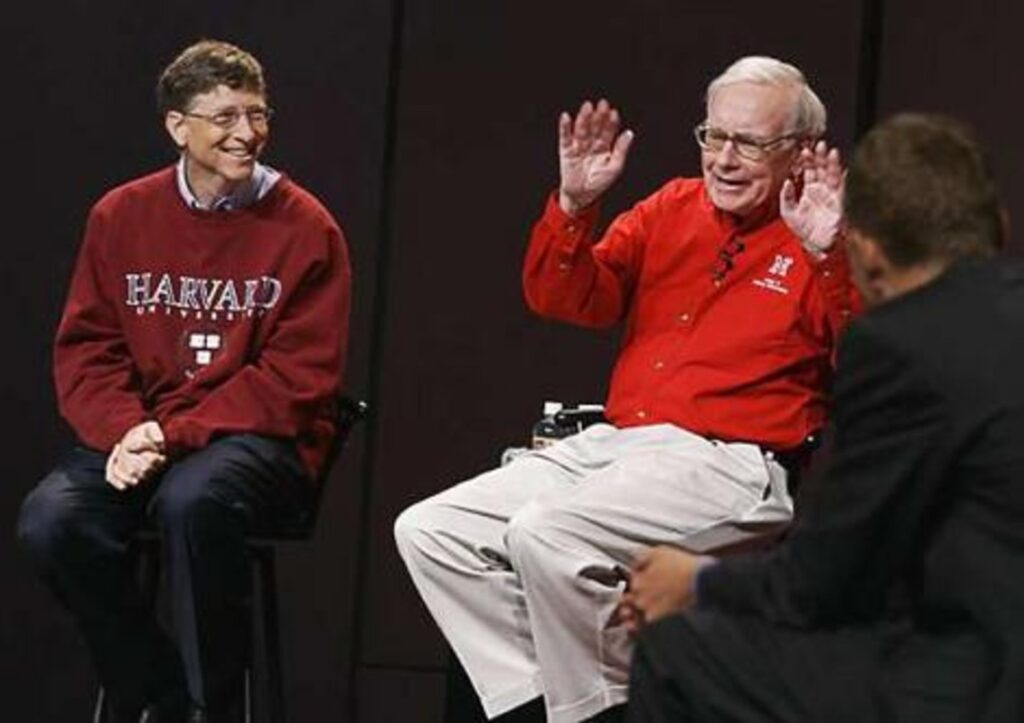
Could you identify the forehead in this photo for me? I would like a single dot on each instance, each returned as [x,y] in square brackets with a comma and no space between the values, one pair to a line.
[754,108]
[224,97]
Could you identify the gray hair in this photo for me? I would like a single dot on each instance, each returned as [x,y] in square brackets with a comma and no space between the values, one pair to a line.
[810,111]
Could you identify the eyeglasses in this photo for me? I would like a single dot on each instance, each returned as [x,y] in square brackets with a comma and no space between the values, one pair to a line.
[714,139]
[228,118]
[724,262]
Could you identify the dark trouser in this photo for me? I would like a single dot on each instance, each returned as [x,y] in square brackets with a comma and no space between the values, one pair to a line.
[78,530]
[718,668]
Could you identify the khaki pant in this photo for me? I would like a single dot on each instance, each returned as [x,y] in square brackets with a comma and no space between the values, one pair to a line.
[517,565]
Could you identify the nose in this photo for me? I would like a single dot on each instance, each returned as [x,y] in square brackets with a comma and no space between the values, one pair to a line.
[727,156]
[244,128]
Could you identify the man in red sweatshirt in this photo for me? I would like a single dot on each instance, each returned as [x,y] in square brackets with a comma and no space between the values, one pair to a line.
[198,358]
[731,291]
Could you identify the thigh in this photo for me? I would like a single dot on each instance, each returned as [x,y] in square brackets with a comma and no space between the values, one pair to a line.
[259,480]
[77,495]
[707,666]
[662,485]
[475,513]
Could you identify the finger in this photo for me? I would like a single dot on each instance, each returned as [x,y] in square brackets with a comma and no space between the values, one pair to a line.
[152,464]
[564,131]
[607,129]
[582,132]
[642,561]
[132,467]
[118,478]
[820,153]
[834,169]
[617,158]
[810,175]
[110,475]
[155,435]
[787,197]
[619,615]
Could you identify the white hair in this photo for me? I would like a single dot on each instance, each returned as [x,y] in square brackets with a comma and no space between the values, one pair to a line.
[809,111]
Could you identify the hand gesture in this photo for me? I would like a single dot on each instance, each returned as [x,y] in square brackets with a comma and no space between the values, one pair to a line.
[591,154]
[816,214]
[137,457]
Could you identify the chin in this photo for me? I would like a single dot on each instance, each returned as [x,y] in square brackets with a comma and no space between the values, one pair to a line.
[736,207]
[238,174]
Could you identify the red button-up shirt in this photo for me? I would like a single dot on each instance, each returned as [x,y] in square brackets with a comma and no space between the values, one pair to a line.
[728,333]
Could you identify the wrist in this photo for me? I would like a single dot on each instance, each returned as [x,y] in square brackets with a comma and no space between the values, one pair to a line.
[570,205]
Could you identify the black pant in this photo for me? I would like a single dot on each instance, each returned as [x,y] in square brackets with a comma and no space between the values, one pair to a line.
[719,668]
[78,530]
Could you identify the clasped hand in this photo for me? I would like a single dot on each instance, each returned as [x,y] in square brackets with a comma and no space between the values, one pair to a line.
[137,457]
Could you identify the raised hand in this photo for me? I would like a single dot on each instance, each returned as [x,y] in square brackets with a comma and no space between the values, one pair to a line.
[815,214]
[591,154]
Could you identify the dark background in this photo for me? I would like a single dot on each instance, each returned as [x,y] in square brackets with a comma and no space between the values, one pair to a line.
[428,128]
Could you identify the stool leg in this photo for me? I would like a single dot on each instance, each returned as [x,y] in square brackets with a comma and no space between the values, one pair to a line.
[99,711]
[271,635]
[148,550]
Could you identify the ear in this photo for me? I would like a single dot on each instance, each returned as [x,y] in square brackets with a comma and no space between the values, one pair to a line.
[176,127]
[868,252]
[870,266]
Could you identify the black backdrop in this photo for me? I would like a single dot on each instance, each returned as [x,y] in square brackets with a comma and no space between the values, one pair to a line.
[428,128]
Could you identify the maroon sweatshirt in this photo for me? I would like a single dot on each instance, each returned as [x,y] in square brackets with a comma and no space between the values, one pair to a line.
[208,322]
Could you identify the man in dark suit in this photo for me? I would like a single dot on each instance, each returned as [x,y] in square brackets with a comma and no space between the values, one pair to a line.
[899,595]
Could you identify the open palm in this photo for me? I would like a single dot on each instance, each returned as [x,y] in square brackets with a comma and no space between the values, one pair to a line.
[591,154]
[815,214]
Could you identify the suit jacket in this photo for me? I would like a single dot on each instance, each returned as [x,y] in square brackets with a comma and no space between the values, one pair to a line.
[918,531]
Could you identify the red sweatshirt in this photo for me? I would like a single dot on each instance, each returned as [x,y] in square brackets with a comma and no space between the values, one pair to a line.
[208,322]
[737,349]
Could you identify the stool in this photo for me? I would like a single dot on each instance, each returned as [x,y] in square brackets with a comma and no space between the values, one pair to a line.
[263,580]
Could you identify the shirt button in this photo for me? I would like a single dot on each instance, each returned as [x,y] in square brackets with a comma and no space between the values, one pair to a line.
[564,266]
[659,364]
[571,228]
[684,318]
[826,272]
[641,414]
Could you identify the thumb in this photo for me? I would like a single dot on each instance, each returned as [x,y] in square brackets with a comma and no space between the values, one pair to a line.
[155,434]
[787,196]
[621,148]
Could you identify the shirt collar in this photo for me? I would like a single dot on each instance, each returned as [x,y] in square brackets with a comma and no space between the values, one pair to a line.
[259,184]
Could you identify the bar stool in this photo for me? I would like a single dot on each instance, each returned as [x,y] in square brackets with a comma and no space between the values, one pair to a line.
[263,572]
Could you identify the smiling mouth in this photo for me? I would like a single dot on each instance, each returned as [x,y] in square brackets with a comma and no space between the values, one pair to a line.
[729,183]
[241,154]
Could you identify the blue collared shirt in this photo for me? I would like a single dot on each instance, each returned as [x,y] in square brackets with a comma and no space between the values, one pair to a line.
[259,184]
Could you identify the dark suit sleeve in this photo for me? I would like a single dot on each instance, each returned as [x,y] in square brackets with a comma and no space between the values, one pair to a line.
[889,458]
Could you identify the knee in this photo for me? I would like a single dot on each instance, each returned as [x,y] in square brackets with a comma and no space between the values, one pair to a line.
[45,521]
[413,527]
[185,501]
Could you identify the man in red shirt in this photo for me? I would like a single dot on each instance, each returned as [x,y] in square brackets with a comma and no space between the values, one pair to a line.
[730,316]
[897,596]
[198,360]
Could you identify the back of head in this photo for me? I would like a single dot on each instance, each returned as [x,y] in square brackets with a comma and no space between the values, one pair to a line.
[202,67]
[922,188]
[809,117]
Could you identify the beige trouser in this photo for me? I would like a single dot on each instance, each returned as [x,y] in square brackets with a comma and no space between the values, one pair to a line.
[515,564]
